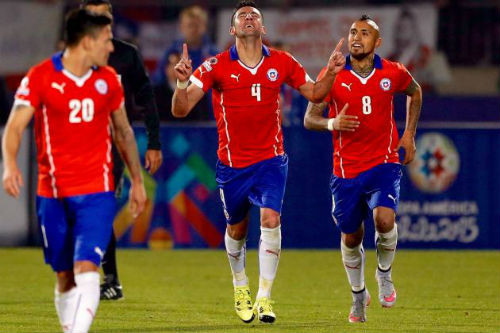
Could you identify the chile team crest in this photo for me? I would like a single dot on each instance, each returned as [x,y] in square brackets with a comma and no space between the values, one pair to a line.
[272,74]
[101,86]
[385,84]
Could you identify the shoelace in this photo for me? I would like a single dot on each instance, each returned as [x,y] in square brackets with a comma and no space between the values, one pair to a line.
[266,304]
[242,297]
[386,284]
[357,307]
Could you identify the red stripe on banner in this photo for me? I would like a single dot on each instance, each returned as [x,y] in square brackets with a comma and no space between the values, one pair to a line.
[198,220]
[180,226]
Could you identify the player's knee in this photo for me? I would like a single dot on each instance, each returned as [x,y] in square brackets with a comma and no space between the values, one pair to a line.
[237,231]
[352,241]
[384,221]
[84,266]
[65,281]
[269,219]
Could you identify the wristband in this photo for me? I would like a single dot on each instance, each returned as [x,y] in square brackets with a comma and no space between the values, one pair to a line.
[182,85]
[330,124]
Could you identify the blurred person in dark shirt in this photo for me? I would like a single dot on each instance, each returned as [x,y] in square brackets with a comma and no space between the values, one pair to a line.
[165,91]
[4,102]
[127,62]
[192,28]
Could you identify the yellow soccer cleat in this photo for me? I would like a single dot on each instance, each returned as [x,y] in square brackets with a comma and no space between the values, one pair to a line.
[243,303]
[264,310]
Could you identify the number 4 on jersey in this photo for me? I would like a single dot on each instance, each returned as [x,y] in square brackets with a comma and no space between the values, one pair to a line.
[256,91]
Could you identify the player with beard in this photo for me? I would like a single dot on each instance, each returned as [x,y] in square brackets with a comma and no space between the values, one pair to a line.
[366,168]
[252,167]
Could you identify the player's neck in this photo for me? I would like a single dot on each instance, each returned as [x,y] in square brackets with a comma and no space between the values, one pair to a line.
[75,61]
[363,67]
[249,50]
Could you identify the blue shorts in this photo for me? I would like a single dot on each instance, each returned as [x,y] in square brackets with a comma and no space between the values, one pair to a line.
[261,184]
[75,228]
[352,198]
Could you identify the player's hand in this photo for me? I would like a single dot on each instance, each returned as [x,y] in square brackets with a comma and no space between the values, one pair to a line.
[12,181]
[344,122]
[137,198]
[336,62]
[407,142]
[154,159]
[184,69]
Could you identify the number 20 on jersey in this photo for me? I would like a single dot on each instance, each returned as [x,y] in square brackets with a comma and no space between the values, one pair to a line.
[81,110]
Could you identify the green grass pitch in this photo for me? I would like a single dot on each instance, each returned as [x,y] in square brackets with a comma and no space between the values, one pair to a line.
[191,291]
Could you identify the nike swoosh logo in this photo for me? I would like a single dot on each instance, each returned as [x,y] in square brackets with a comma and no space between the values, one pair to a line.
[391,298]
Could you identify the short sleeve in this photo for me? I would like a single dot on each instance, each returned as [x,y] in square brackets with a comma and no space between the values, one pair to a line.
[403,77]
[297,75]
[328,97]
[203,76]
[117,97]
[28,92]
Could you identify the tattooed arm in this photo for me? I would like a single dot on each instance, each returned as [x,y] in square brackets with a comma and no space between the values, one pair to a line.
[413,106]
[314,120]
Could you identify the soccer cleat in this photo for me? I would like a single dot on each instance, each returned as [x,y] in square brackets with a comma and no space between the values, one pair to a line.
[111,291]
[243,304]
[386,291]
[359,303]
[264,310]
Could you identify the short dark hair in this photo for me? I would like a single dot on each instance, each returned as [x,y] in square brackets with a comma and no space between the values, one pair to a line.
[244,3]
[95,3]
[80,23]
[365,17]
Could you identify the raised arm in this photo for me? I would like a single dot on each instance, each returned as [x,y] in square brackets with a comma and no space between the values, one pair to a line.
[19,119]
[125,142]
[413,106]
[317,91]
[185,98]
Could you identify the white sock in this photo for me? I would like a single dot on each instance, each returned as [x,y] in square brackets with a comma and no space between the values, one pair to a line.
[354,264]
[236,253]
[87,285]
[386,247]
[269,256]
[65,307]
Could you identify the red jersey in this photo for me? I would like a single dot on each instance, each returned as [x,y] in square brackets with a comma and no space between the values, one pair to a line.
[72,127]
[370,98]
[246,103]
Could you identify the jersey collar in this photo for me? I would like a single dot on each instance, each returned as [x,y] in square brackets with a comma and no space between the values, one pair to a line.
[377,62]
[233,53]
[57,61]
[58,65]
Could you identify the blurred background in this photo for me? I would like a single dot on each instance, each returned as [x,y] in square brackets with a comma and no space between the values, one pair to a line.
[450,194]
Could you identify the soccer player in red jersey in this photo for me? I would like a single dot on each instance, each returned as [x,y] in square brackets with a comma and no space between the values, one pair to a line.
[252,166]
[74,98]
[366,167]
